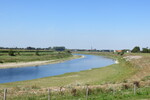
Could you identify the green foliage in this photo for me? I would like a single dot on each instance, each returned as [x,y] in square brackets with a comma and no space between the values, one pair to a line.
[18,52]
[136,49]
[59,48]
[30,48]
[1,61]
[145,50]
[68,51]
[120,53]
[11,52]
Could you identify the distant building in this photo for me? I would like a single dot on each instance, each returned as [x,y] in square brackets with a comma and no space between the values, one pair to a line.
[118,50]
[124,50]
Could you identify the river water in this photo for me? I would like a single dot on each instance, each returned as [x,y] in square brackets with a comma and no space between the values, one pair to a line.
[34,72]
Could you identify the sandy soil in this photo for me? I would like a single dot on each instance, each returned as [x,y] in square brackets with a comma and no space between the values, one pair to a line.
[129,58]
[36,63]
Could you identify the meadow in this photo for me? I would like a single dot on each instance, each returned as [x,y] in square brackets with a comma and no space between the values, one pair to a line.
[31,55]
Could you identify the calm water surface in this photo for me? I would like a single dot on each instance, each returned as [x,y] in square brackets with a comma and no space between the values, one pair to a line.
[34,72]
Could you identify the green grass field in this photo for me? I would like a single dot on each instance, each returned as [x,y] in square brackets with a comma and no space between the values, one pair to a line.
[28,56]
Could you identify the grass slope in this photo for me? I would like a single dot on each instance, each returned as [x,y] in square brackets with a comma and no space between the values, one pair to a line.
[97,94]
[31,56]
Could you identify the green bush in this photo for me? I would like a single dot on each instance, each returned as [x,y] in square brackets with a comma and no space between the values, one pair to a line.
[136,49]
[37,53]
[1,61]
[11,52]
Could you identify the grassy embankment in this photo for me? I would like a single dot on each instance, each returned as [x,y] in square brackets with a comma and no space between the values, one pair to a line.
[30,55]
[94,94]
[123,72]
[23,58]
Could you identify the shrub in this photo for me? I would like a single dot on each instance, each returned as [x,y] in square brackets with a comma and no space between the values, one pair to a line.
[35,87]
[1,61]
[37,53]
[74,92]
[11,52]
[68,51]
[122,53]
[18,53]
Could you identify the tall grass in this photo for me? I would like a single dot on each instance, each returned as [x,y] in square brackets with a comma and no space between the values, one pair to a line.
[93,94]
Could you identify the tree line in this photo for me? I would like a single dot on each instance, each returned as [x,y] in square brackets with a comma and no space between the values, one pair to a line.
[56,48]
[14,51]
[137,49]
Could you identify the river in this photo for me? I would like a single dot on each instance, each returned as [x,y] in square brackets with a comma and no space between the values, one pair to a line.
[34,72]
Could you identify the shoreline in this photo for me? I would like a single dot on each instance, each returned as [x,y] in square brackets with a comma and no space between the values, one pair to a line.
[37,63]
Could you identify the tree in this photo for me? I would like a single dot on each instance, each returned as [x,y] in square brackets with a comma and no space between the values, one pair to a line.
[30,48]
[59,48]
[136,49]
[145,50]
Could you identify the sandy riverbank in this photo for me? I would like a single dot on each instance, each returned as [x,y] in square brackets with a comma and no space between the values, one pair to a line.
[37,63]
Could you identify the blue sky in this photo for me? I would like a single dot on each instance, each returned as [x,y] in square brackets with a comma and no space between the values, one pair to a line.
[102,24]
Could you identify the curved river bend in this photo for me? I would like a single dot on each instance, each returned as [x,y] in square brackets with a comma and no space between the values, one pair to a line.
[34,72]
